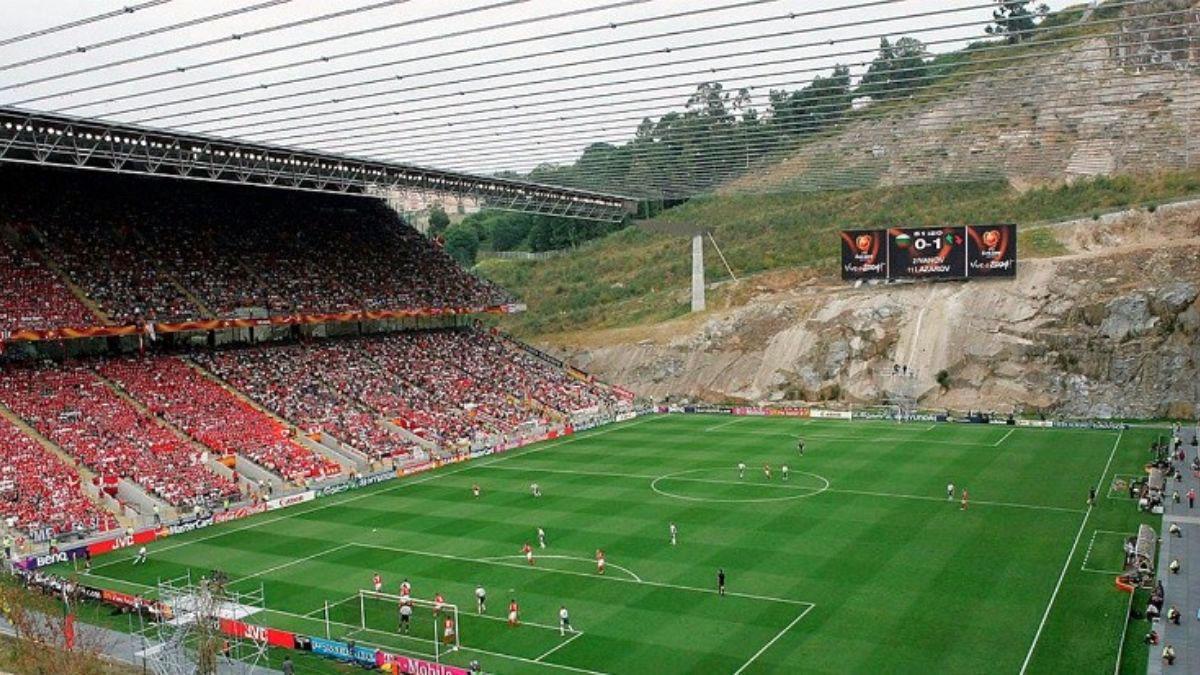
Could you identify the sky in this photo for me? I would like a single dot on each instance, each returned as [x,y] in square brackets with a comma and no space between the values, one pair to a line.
[473,85]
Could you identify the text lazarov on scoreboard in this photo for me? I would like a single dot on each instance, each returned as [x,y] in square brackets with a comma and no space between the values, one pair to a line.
[960,252]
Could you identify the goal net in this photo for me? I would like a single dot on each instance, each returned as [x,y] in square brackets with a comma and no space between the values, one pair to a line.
[378,612]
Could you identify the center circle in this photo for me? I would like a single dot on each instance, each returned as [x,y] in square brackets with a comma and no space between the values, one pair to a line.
[819,485]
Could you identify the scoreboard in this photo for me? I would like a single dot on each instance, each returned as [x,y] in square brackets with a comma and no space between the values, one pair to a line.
[958,252]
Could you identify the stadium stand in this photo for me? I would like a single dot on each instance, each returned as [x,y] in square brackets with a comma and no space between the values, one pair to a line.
[38,490]
[290,381]
[447,386]
[176,251]
[214,417]
[83,416]
[33,297]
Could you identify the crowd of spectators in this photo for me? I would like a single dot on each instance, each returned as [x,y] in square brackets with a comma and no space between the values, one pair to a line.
[291,381]
[446,386]
[39,491]
[77,411]
[162,250]
[207,412]
[34,298]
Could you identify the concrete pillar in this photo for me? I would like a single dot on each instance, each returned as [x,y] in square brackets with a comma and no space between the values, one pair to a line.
[698,273]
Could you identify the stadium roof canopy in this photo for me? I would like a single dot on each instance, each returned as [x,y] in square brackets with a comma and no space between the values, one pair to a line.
[520,88]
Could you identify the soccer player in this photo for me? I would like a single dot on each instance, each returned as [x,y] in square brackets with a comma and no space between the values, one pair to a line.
[674,533]
[965,498]
[950,491]
[1092,496]
[564,621]
[377,582]
[599,561]
[741,469]
[535,489]
[785,471]
[767,471]
[514,612]
[141,557]
[541,538]
[721,581]
[448,633]
[405,589]
[438,603]
[405,617]
[800,446]
[475,490]
[528,551]
[480,599]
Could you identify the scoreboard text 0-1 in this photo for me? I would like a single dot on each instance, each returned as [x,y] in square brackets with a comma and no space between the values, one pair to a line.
[958,252]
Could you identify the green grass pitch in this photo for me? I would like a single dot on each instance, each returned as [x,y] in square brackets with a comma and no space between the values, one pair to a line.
[857,563]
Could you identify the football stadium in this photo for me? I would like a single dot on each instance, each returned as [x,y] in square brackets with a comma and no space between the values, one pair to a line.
[600,336]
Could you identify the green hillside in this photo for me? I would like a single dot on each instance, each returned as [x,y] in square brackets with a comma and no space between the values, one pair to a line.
[639,275]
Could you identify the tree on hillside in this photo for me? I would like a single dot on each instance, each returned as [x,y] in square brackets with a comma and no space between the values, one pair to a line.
[811,109]
[896,71]
[462,243]
[438,219]
[1015,21]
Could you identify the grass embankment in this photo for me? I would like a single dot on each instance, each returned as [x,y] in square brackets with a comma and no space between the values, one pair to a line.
[638,276]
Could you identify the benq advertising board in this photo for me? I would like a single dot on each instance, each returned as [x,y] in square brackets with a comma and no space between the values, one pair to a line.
[957,252]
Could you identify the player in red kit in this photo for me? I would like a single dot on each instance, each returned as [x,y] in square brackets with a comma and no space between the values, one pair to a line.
[599,561]
[448,634]
[513,613]
[528,551]
[965,498]
[377,581]
[438,603]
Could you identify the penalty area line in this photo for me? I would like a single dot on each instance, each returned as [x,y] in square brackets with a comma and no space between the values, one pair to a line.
[773,640]
[1005,438]
[564,643]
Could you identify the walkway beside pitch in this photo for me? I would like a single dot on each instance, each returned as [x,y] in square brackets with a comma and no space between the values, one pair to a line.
[1183,589]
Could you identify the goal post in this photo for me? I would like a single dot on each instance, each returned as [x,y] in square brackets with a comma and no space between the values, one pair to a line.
[380,612]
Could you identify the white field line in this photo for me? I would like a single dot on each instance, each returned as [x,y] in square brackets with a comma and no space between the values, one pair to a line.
[463,613]
[841,438]
[726,424]
[931,427]
[1005,438]
[773,641]
[866,493]
[576,558]
[1083,567]
[1067,563]
[297,561]
[564,643]
[1121,640]
[476,650]
[973,502]
[360,629]
[550,570]
[334,502]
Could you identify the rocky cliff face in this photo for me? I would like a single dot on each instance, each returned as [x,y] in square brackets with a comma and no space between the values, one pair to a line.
[1122,100]
[1111,329]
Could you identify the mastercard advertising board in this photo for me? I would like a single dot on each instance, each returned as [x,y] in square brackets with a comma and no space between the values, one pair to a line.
[953,252]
